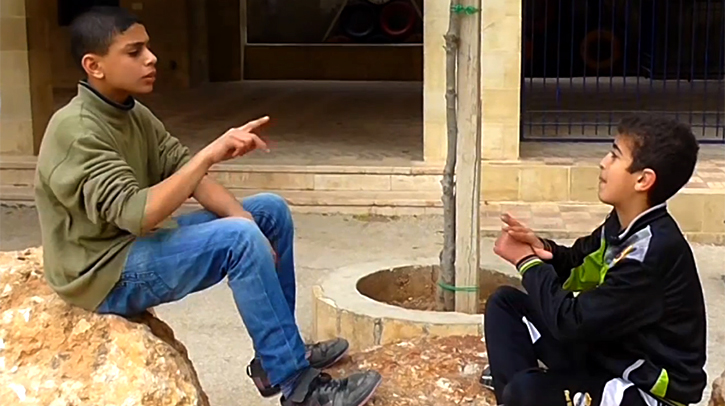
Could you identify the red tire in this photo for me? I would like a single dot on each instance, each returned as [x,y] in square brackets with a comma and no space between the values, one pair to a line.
[606,40]
[398,19]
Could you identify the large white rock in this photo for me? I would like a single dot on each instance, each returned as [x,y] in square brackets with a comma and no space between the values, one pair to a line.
[53,354]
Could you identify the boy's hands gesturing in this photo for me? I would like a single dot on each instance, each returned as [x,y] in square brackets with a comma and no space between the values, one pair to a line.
[236,142]
[518,231]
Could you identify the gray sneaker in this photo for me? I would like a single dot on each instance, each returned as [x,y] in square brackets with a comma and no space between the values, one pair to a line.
[320,356]
[316,388]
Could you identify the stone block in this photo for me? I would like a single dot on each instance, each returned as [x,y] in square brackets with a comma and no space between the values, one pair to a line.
[20,107]
[584,184]
[12,34]
[394,330]
[512,64]
[494,10]
[500,34]
[713,215]
[435,142]
[351,182]
[706,238]
[493,71]
[12,8]
[17,177]
[359,330]
[270,180]
[500,140]
[416,182]
[499,183]
[326,321]
[544,183]
[16,137]
[444,330]
[687,209]
[498,106]
[14,69]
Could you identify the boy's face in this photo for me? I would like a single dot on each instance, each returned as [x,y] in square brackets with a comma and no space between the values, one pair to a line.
[129,65]
[617,185]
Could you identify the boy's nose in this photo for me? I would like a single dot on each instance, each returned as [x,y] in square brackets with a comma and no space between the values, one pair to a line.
[151,59]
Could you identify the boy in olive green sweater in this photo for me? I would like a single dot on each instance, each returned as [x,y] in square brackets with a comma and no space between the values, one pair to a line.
[108,181]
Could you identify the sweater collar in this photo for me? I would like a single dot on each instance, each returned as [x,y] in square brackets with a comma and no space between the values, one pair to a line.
[102,104]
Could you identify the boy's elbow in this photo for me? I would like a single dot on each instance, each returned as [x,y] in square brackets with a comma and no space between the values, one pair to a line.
[130,214]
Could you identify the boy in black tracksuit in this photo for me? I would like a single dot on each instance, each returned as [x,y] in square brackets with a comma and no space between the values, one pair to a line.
[619,317]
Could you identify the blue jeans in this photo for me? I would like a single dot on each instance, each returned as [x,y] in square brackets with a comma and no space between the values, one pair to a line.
[168,265]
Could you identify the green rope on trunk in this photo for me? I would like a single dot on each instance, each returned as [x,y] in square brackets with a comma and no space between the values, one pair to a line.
[452,288]
[461,9]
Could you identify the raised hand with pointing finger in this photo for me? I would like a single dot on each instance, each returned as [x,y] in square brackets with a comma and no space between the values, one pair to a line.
[236,142]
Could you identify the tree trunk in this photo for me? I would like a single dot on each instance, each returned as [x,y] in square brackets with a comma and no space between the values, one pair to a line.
[447,277]
[468,159]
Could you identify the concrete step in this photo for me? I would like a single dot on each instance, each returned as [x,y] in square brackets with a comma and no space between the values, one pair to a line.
[527,181]
[701,216]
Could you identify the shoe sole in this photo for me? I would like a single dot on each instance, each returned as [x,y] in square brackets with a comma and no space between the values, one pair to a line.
[371,394]
[274,391]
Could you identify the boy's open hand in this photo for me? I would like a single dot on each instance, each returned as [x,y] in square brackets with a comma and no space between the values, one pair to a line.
[236,142]
[519,232]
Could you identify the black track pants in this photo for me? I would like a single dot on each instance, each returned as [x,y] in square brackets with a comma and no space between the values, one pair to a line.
[517,340]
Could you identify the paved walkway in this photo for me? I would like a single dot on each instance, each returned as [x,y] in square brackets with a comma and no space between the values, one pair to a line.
[218,344]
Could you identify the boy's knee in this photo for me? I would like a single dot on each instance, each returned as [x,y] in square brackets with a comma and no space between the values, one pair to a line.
[523,389]
[276,205]
[238,232]
[503,296]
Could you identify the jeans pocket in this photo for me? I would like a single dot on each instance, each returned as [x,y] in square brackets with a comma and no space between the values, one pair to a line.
[133,294]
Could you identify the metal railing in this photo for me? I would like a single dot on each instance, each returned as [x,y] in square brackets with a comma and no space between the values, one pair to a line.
[586,63]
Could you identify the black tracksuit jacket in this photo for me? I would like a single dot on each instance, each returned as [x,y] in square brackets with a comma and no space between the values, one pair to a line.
[635,297]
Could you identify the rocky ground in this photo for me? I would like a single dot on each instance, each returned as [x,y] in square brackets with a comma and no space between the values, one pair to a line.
[218,345]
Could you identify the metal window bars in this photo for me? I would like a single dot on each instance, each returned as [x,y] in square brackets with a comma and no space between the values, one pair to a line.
[586,63]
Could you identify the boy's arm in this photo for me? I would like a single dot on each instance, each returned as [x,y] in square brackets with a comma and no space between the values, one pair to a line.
[94,176]
[219,200]
[629,298]
[209,193]
[566,258]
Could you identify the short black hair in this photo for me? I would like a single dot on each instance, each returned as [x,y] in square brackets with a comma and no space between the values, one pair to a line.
[666,146]
[94,30]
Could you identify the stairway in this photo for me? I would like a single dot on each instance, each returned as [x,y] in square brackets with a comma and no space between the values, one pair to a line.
[557,199]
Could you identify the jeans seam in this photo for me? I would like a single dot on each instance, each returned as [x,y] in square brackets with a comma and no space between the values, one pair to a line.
[279,323]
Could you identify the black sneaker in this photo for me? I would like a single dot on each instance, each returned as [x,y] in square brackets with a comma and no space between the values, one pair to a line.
[320,356]
[486,378]
[316,388]
[327,353]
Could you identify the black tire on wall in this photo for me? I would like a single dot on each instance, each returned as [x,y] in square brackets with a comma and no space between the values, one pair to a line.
[359,20]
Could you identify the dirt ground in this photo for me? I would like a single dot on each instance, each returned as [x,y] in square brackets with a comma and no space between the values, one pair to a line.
[209,326]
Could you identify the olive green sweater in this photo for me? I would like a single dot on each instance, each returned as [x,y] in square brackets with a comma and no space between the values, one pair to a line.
[97,161]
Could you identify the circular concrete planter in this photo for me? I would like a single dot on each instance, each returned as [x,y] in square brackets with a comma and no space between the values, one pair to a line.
[341,310]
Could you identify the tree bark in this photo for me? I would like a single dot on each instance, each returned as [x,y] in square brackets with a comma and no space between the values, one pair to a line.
[468,160]
[446,297]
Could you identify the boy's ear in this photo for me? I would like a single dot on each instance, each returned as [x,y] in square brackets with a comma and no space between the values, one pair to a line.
[646,180]
[92,66]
